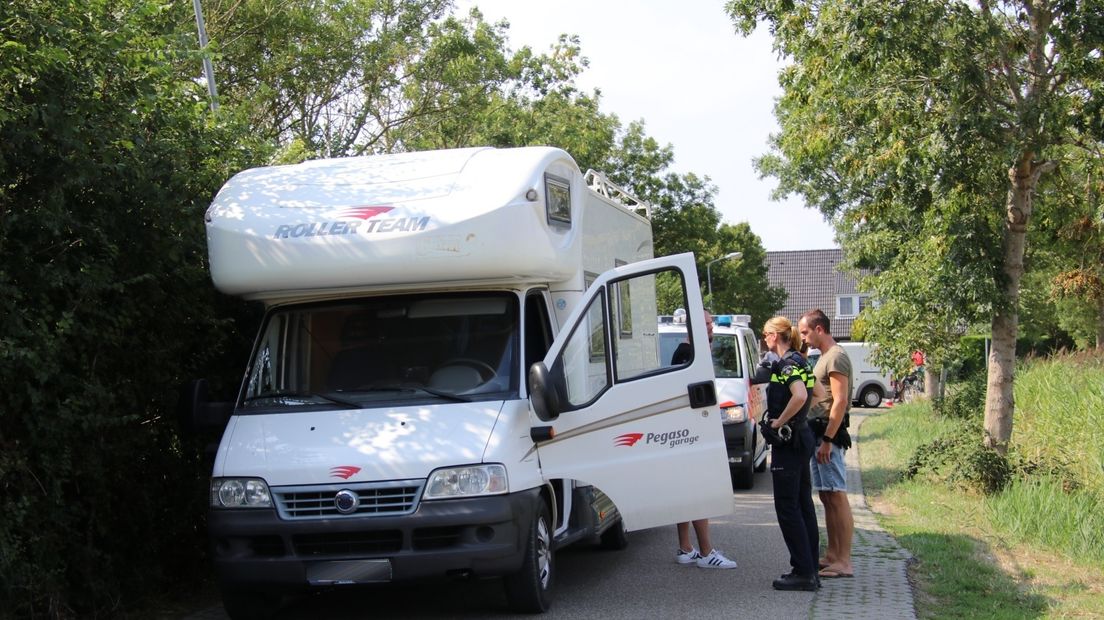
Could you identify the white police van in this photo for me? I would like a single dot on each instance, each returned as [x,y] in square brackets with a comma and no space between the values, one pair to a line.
[735,353]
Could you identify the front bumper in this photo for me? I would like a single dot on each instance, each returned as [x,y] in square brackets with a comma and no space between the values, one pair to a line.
[739,443]
[483,536]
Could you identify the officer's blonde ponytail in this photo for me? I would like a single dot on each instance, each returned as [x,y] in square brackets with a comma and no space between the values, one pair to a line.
[786,330]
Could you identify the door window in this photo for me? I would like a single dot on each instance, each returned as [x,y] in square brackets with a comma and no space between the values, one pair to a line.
[611,344]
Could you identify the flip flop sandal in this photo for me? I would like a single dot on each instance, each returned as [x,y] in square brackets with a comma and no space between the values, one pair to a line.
[834,574]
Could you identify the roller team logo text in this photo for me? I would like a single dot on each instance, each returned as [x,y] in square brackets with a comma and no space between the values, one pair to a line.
[354,221]
[669,439]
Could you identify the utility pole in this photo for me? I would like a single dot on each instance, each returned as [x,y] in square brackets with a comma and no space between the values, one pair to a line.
[208,69]
[708,273]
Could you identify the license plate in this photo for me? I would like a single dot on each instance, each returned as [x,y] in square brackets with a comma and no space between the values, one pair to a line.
[349,572]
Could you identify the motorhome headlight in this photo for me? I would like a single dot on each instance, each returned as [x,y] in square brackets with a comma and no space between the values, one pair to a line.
[731,413]
[467,481]
[240,493]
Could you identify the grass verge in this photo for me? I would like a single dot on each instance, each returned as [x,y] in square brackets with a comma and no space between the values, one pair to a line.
[1032,550]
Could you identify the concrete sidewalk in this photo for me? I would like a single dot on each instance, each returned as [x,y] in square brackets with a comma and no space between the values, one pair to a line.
[880,589]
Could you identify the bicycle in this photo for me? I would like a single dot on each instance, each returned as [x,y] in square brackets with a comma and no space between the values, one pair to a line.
[910,386]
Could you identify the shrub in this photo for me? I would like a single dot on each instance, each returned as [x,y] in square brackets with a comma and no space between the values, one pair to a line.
[110,158]
[969,360]
[958,458]
[964,400]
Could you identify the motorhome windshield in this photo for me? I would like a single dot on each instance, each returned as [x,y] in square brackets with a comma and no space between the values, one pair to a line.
[426,348]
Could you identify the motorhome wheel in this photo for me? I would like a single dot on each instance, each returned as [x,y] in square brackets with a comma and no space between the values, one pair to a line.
[530,589]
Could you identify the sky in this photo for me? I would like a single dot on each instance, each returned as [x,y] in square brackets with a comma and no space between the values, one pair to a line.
[681,68]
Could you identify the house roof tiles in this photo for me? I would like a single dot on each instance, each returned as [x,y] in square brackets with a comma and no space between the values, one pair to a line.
[813,279]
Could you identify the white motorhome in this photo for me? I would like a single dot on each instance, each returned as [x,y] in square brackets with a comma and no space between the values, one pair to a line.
[457,374]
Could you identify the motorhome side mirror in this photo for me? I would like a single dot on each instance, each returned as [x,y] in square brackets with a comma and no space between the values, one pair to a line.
[197,413]
[543,393]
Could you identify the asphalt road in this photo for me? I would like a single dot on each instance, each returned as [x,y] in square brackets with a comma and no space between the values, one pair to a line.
[642,581]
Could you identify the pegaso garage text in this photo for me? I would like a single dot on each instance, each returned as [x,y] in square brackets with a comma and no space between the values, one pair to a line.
[670,439]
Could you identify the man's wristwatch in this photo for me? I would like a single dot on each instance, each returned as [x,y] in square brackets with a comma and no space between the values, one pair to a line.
[826,438]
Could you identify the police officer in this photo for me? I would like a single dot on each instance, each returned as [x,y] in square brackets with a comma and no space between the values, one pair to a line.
[788,397]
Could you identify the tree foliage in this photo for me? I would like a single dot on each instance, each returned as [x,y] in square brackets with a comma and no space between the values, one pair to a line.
[1069,250]
[684,219]
[923,130]
[109,161]
[334,77]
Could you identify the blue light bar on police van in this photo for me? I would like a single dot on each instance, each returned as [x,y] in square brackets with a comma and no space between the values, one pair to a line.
[728,320]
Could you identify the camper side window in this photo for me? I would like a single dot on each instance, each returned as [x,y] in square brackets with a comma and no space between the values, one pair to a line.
[557,196]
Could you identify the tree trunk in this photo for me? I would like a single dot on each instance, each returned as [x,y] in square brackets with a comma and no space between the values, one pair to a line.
[1100,326]
[999,403]
[932,386]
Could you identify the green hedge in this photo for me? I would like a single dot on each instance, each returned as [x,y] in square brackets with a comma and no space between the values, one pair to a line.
[110,158]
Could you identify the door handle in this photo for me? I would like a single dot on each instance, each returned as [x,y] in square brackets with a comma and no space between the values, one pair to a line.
[702,394]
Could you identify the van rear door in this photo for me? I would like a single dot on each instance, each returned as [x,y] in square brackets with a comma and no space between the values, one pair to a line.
[608,411]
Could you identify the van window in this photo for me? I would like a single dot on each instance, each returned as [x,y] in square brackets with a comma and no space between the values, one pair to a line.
[396,348]
[597,355]
[538,329]
[726,357]
[751,344]
[668,342]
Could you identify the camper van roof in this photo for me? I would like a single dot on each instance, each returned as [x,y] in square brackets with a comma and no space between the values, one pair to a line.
[364,222]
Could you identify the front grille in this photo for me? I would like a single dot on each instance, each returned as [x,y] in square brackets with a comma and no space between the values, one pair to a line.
[347,543]
[376,499]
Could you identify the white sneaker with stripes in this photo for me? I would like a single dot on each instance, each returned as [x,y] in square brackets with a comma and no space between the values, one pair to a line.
[715,559]
[687,557]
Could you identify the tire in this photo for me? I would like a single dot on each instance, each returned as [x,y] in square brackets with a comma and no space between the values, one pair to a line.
[871,396]
[529,591]
[615,538]
[743,476]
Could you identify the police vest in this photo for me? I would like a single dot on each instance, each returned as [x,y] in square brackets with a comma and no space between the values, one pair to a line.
[792,367]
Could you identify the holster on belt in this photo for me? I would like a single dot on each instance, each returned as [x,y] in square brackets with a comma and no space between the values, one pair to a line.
[842,438]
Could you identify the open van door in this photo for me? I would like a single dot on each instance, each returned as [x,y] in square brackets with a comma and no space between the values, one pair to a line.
[645,431]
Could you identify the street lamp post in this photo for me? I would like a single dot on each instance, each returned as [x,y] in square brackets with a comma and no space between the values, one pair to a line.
[709,274]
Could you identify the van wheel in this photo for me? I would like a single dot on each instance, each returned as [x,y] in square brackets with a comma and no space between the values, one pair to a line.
[529,591]
[743,477]
[615,538]
[871,397]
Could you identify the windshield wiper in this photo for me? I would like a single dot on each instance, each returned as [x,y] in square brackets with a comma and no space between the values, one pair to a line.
[406,387]
[333,398]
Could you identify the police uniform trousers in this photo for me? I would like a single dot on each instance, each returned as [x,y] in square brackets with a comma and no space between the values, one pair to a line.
[793,499]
